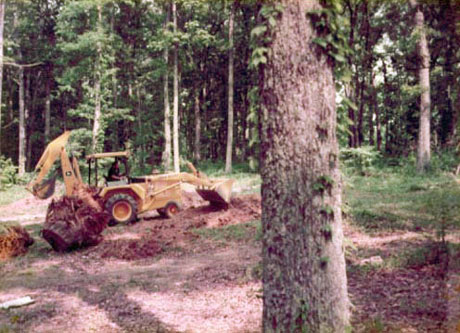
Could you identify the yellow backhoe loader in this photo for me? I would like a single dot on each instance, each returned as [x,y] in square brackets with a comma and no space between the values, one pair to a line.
[128,196]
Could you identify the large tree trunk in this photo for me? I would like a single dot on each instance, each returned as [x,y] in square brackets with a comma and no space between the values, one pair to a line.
[167,110]
[304,277]
[2,15]
[228,159]
[423,146]
[175,97]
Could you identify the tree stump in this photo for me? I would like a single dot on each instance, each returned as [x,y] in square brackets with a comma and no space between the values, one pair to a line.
[75,221]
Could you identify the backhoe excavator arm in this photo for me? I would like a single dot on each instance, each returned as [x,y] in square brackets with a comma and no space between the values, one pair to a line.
[70,171]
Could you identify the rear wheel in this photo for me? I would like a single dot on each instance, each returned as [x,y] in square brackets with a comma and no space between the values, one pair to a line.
[171,209]
[122,208]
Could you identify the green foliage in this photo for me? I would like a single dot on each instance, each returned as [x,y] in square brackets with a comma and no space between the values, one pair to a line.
[332,27]
[323,183]
[361,160]
[327,232]
[323,261]
[261,34]
[442,205]
[8,173]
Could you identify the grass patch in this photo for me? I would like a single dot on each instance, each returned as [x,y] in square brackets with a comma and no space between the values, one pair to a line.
[238,232]
[391,199]
[12,194]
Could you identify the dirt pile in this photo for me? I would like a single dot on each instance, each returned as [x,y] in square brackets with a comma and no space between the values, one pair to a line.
[14,241]
[156,234]
[75,221]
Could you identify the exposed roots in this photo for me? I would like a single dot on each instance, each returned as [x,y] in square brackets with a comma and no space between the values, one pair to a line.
[75,221]
[14,241]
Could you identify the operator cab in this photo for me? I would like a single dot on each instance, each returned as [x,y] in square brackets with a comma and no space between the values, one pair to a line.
[117,175]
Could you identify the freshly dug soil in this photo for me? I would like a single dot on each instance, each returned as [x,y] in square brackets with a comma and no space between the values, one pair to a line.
[14,241]
[75,221]
[154,234]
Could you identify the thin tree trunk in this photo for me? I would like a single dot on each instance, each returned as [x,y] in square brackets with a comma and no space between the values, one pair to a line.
[359,128]
[377,119]
[352,139]
[2,16]
[197,148]
[176,96]
[29,119]
[140,132]
[22,125]
[371,106]
[167,110]
[47,108]
[97,87]
[423,145]
[228,159]
[304,277]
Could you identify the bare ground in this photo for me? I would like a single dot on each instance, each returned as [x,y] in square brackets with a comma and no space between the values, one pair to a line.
[160,275]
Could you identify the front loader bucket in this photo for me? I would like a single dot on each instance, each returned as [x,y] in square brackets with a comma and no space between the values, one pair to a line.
[219,193]
[45,189]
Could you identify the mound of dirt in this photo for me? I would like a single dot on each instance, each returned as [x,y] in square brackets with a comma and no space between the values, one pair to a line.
[156,234]
[14,241]
[128,249]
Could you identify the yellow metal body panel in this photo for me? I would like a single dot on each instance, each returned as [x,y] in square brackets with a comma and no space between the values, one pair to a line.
[138,189]
[150,195]
[160,191]
[110,154]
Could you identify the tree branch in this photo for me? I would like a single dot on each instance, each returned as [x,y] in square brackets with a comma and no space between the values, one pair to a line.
[22,65]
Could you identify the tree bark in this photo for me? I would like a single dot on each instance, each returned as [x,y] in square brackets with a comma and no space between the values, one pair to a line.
[176,96]
[304,277]
[47,107]
[197,147]
[377,118]
[2,16]
[370,106]
[97,87]
[167,109]
[423,144]
[228,159]
[22,125]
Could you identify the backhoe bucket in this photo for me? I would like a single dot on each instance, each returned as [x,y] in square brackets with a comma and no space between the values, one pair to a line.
[218,193]
[45,189]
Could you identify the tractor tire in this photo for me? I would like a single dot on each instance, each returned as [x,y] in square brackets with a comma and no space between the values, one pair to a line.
[122,208]
[171,209]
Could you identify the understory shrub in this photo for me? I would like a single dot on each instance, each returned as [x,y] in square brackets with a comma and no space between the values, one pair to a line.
[8,173]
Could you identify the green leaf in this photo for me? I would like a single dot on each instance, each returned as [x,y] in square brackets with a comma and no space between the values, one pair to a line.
[339,57]
[321,42]
[350,104]
[272,21]
[258,31]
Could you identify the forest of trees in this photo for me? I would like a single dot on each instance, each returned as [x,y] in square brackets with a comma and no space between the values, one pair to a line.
[167,79]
